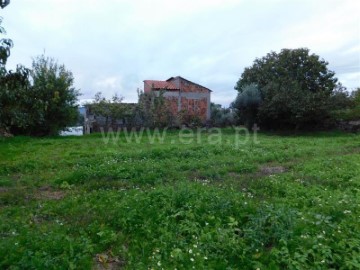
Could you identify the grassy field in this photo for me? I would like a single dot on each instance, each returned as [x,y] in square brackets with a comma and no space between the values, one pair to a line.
[286,202]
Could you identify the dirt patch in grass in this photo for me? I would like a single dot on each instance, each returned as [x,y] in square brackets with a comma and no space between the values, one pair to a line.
[234,174]
[4,133]
[106,261]
[4,189]
[351,150]
[197,175]
[245,180]
[269,170]
[263,171]
[49,193]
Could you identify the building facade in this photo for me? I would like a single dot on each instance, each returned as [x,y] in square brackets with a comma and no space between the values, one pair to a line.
[183,96]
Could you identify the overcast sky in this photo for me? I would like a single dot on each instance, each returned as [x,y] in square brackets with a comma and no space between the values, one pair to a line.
[113,45]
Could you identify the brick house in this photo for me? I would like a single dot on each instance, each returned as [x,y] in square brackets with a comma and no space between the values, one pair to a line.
[183,96]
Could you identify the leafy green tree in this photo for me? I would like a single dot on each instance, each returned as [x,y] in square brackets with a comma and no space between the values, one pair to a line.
[55,98]
[41,101]
[14,86]
[295,88]
[16,102]
[5,46]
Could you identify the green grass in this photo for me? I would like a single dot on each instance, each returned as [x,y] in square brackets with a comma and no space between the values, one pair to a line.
[288,202]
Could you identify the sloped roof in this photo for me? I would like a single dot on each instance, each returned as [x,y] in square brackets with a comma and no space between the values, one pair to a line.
[169,85]
[161,85]
[173,78]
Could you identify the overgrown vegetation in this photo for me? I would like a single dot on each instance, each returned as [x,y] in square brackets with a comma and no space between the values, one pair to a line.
[346,106]
[153,110]
[284,203]
[111,110]
[222,117]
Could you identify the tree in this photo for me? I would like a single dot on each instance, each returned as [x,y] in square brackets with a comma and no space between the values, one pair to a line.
[153,110]
[346,107]
[4,3]
[295,88]
[221,117]
[16,102]
[55,98]
[111,109]
[340,98]
[5,46]
[40,101]
[14,86]
[355,95]
[352,110]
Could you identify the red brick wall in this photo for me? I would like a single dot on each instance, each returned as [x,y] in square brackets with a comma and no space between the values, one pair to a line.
[186,87]
[172,103]
[189,106]
[147,87]
[195,107]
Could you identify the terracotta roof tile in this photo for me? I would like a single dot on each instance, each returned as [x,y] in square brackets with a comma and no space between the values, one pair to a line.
[183,79]
[161,85]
